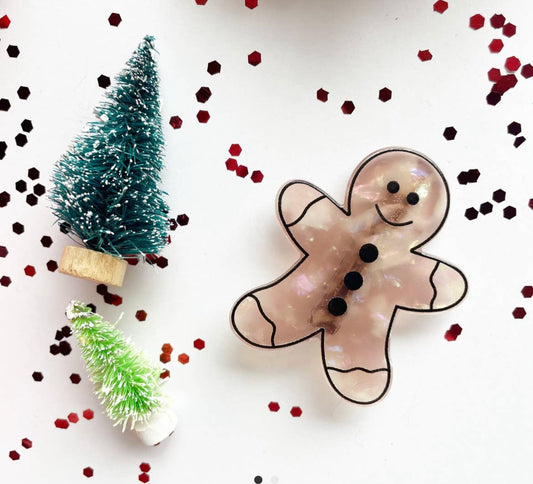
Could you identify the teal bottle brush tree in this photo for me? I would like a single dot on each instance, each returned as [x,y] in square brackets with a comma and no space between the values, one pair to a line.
[106,185]
[127,383]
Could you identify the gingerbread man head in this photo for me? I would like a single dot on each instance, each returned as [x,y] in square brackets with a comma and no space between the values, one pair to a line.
[405,190]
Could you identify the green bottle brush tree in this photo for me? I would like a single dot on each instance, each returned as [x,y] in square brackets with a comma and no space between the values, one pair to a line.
[105,187]
[126,382]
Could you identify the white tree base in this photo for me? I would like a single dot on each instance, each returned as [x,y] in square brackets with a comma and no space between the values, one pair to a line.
[158,427]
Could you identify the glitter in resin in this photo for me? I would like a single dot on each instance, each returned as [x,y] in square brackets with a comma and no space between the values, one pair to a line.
[375,233]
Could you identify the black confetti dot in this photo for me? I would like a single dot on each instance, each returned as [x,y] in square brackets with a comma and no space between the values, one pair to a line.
[337,306]
[368,253]
[4,104]
[353,280]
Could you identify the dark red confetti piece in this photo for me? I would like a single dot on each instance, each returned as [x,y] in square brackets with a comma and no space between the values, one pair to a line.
[527,71]
[214,67]
[162,262]
[14,455]
[199,344]
[131,260]
[145,467]
[471,213]
[514,128]
[182,219]
[141,315]
[4,22]
[164,374]
[496,46]
[241,171]
[73,417]
[29,271]
[21,140]
[509,212]
[176,122]
[254,58]
[61,423]
[530,203]
[425,55]
[18,228]
[203,94]
[75,378]
[114,19]
[203,116]
[23,92]
[493,98]
[33,174]
[31,200]
[144,477]
[509,30]
[440,6]
[21,186]
[273,406]
[26,443]
[5,198]
[151,258]
[385,94]
[59,335]
[46,241]
[183,358]
[251,4]
[505,83]
[172,224]
[201,2]
[164,357]
[485,208]
[322,95]
[231,164]
[454,331]
[167,348]
[37,376]
[296,412]
[3,251]
[65,348]
[519,313]
[54,349]
[497,21]
[498,195]
[257,176]
[4,104]
[102,289]
[348,107]
[512,63]
[5,281]
[13,51]
[527,291]
[88,414]
[449,133]
[51,265]
[104,81]
[113,299]
[518,141]
[88,472]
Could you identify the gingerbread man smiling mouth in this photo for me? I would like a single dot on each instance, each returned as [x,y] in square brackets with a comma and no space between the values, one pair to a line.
[360,263]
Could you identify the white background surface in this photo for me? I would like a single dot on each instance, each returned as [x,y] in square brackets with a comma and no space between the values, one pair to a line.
[456,411]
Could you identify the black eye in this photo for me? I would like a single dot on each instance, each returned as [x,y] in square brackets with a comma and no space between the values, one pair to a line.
[393,187]
[412,198]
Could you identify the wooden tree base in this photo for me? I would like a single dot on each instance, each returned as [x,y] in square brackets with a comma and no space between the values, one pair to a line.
[92,265]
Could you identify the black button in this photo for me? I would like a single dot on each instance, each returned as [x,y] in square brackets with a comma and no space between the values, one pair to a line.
[353,280]
[393,187]
[337,306]
[412,198]
[368,253]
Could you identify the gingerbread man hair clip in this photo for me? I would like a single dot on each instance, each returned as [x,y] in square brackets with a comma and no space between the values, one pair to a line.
[360,263]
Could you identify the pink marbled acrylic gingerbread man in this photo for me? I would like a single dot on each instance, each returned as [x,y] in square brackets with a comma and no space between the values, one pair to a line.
[360,263]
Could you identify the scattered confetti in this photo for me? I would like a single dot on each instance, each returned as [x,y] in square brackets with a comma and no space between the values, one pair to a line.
[214,67]
[385,94]
[4,22]
[241,171]
[274,406]
[14,455]
[73,417]
[449,133]
[251,4]
[183,358]
[203,94]
[454,331]
[61,423]
[235,149]
[322,95]
[257,176]
[425,55]
[509,212]
[141,315]
[88,414]
[440,6]
[348,107]
[104,81]
[199,344]
[203,116]
[527,291]
[231,164]
[254,58]
[497,21]
[496,46]
[37,376]
[296,411]
[88,472]
[114,19]
[176,122]
[26,443]
[519,313]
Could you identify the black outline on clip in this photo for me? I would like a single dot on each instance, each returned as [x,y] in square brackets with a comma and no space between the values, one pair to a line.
[347,211]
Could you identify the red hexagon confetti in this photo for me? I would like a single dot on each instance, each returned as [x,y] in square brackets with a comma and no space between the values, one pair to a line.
[164,358]
[527,71]
[242,171]
[477,21]
[114,19]
[88,472]
[176,122]
[454,331]
[183,358]
[496,46]
[231,164]
[144,477]
[322,95]
[214,67]
[509,212]
[254,58]
[14,455]
[29,271]
[296,412]
[273,406]
[26,443]
[203,116]
[385,94]
[348,107]
[88,414]
[75,378]
[199,344]
[512,63]
[494,74]
[425,55]
[235,149]
[440,6]
[257,176]
[4,22]
[182,219]
[527,291]
[497,21]
[145,467]
[203,94]
[509,29]
[73,417]
[519,313]
[61,423]
[5,281]
[251,4]
[141,315]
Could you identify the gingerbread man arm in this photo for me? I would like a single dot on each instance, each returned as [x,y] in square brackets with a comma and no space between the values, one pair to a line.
[305,211]
[449,286]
